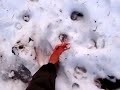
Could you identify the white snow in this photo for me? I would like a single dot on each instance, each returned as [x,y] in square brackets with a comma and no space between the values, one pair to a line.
[49,18]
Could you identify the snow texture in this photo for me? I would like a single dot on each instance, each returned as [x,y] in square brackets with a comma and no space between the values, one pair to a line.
[30,29]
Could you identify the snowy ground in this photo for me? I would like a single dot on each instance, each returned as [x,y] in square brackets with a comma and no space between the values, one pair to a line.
[30,29]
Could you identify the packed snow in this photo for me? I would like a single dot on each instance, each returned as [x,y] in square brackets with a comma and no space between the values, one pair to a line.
[30,29]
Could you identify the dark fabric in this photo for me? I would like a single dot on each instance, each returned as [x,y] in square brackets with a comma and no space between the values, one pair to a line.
[44,78]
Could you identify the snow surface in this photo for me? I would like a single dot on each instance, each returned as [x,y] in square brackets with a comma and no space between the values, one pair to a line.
[94,39]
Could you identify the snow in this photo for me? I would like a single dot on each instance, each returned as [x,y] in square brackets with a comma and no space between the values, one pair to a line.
[36,24]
